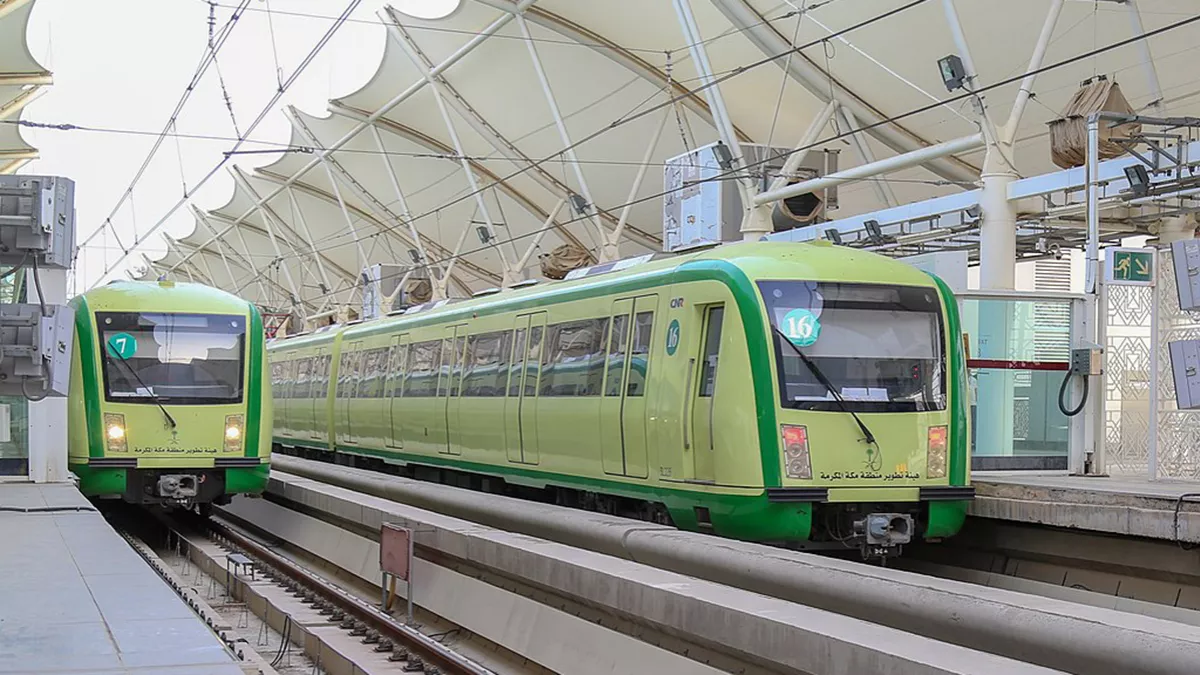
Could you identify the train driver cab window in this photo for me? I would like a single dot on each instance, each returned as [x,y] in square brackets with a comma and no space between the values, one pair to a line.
[879,346]
[180,358]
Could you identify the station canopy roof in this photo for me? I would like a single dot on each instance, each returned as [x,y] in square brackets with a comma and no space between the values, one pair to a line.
[22,79]
[459,135]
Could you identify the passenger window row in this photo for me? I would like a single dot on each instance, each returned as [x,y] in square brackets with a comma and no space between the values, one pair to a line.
[577,358]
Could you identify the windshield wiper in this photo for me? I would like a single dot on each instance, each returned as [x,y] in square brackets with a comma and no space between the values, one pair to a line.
[154,397]
[867,435]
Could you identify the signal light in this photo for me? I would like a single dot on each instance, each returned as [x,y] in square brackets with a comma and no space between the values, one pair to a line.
[795,451]
[935,453]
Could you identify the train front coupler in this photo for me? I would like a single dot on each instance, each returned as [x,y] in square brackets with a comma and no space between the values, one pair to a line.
[882,535]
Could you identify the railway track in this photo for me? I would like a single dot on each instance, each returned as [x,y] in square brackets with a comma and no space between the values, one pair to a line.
[298,609]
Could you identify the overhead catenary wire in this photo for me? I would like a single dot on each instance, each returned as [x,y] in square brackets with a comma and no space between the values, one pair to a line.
[630,117]
[725,174]
[209,58]
[308,59]
[840,135]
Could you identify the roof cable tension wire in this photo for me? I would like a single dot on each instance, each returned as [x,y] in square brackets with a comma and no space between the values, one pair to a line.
[735,171]
[300,68]
[210,56]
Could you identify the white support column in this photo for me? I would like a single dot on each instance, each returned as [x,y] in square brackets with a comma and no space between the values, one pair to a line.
[440,286]
[244,183]
[203,220]
[563,135]
[882,189]
[337,193]
[612,241]
[418,243]
[1156,95]
[1094,320]
[754,225]
[800,152]
[308,239]
[518,269]
[1009,133]
[960,40]
[48,417]
[881,167]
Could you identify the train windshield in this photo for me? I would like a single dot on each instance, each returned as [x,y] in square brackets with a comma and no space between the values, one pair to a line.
[172,358]
[880,347]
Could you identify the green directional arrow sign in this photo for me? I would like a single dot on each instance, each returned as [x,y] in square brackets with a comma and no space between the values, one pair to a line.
[1130,266]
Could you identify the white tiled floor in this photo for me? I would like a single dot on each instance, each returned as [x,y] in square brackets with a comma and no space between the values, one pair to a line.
[74,597]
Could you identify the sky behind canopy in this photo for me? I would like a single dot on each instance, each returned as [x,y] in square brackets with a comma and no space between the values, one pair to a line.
[121,67]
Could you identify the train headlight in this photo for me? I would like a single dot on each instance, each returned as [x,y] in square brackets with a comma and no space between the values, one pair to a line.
[935,453]
[114,432]
[795,451]
[233,432]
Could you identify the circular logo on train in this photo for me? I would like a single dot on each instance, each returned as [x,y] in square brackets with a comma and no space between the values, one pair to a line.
[673,337]
[122,346]
[801,327]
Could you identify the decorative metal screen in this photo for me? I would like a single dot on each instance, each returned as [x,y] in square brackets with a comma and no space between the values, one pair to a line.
[1178,451]
[1127,379]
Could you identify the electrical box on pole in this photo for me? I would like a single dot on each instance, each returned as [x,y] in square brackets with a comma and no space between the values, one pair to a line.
[37,233]
[1185,253]
[1185,366]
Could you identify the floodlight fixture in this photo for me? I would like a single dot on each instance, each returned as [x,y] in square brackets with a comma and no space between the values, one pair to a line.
[484,235]
[1139,179]
[832,234]
[954,73]
[874,232]
[723,155]
[414,254]
[579,204]
[974,211]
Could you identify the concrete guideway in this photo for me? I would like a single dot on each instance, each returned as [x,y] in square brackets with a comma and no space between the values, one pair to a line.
[1050,632]
[748,630]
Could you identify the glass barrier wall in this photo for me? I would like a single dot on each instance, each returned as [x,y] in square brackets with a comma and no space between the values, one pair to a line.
[1019,349]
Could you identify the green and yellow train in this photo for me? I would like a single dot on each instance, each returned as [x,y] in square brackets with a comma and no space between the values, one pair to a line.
[801,394]
[169,403]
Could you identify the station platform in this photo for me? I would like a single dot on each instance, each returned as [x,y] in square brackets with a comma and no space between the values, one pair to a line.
[76,598]
[1129,506]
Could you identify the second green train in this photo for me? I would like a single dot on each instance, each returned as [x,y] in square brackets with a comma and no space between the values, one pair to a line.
[801,394]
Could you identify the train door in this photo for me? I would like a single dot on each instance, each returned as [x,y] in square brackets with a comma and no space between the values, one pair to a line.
[347,387]
[449,381]
[704,394]
[318,374]
[623,405]
[394,390]
[520,414]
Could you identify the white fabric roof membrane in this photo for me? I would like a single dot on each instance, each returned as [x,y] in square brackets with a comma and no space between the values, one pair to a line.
[298,232]
[22,78]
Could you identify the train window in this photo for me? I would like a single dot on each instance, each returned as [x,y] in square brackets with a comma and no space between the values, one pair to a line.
[421,377]
[518,360]
[712,349]
[373,363]
[881,347]
[574,358]
[617,354]
[456,368]
[533,358]
[485,369]
[643,327]
[301,386]
[399,360]
[326,362]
